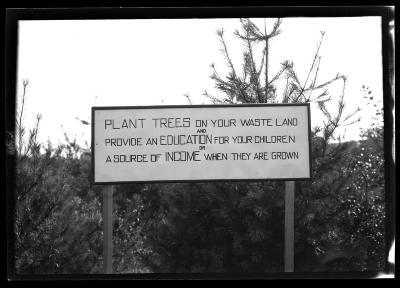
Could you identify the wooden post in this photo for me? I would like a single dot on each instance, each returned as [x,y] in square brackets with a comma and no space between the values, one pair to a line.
[289,226]
[107,228]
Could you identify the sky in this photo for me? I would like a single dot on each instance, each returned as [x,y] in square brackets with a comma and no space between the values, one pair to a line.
[73,65]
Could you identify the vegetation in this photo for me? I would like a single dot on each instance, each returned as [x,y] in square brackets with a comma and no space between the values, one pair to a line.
[210,227]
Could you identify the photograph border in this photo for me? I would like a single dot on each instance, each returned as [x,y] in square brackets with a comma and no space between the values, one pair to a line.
[14,15]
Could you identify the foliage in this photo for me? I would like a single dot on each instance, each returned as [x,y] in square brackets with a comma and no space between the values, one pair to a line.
[54,215]
[128,236]
[239,226]
[215,227]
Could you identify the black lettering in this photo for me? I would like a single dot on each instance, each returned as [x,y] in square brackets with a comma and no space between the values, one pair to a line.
[216,156]
[182,156]
[107,122]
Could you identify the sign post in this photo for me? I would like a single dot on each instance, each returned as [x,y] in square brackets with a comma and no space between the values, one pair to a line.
[107,228]
[289,226]
[186,143]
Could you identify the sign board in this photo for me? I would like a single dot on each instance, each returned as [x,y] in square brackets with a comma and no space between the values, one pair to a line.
[201,143]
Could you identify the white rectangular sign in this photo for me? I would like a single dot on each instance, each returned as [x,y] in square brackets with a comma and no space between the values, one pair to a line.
[201,143]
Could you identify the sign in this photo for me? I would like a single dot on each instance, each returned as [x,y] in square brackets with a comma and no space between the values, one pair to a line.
[201,143]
